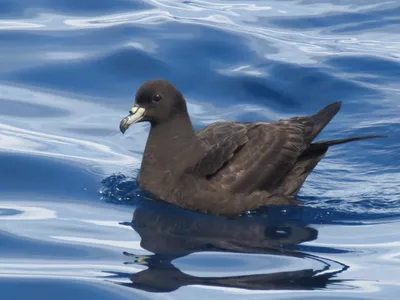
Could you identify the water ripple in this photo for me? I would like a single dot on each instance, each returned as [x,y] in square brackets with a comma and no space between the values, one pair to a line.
[67,188]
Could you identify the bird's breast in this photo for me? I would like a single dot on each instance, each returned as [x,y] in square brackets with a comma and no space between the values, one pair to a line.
[158,182]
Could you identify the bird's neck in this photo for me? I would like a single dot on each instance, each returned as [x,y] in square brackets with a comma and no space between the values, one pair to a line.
[171,147]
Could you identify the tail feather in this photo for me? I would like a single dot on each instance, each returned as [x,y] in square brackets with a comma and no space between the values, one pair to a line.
[295,178]
[328,143]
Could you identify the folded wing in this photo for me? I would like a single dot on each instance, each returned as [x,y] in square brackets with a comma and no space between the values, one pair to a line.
[245,157]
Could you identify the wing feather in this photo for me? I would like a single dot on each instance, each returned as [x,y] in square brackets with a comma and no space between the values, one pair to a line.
[271,151]
[220,141]
[246,157]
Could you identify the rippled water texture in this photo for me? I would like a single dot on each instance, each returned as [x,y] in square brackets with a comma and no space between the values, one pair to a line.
[75,226]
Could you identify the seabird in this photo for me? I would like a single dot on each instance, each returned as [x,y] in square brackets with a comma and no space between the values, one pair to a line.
[225,168]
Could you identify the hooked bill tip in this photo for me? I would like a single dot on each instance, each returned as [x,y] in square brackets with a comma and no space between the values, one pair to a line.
[122,125]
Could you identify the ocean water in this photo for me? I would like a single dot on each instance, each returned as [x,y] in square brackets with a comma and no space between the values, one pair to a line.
[74,225]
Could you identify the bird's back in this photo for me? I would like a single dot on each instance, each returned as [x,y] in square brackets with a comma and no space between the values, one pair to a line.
[273,153]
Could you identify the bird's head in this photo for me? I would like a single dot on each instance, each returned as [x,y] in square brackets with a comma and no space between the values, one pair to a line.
[156,101]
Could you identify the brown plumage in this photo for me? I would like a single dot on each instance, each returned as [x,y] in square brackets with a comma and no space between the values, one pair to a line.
[225,168]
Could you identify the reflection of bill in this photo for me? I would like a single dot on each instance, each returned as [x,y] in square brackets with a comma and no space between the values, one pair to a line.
[170,233]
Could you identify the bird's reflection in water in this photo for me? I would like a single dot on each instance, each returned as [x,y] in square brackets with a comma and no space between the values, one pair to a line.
[171,233]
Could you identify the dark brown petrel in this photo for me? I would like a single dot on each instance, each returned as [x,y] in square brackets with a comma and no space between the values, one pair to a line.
[225,168]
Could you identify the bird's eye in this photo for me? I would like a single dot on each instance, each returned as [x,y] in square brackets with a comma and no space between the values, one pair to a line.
[157,98]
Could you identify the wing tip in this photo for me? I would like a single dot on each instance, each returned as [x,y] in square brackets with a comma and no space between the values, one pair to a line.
[336,106]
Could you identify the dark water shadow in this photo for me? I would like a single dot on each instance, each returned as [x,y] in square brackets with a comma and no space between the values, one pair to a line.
[170,233]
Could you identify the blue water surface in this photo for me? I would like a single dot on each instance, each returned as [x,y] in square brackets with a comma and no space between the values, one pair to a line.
[74,225]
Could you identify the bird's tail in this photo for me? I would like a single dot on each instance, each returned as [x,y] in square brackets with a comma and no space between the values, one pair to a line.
[307,161]
[328,143]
